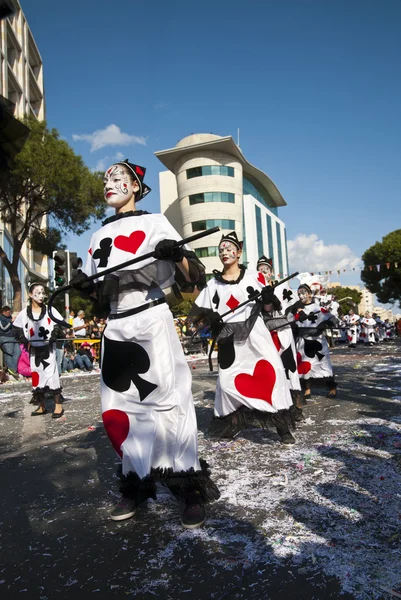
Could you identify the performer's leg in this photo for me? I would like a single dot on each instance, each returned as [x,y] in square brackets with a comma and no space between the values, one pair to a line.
[41,410]
[58,409]
[332,386]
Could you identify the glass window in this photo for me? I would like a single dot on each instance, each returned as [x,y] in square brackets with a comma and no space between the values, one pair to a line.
[210,170]
[270,238]
[208,223]
[255,190]
[212,197]
[194,172]
[279,249]
[259,233]
[205,252]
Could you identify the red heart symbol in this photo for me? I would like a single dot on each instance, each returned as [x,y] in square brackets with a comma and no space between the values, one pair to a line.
[131,243]
[303,367]
[276,341]
[350,338]
[261,278]
[35,378]
[259,385]
[116,424]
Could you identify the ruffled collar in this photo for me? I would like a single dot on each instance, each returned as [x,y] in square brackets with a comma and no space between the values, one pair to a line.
[30,313]
[130,213]
[219,276]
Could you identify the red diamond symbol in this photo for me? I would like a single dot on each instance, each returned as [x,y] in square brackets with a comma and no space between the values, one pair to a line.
[261,278]
[232,302]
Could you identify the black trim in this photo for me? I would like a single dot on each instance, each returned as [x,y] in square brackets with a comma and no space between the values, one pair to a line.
[137,309]
[130,213]
[30,314]
[219,276]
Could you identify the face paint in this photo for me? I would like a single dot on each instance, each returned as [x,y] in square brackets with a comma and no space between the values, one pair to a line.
[266,270]
[304,295]
[228,253]
[119,189]
[38,294]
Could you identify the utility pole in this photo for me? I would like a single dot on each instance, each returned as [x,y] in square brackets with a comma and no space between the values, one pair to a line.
[67,295]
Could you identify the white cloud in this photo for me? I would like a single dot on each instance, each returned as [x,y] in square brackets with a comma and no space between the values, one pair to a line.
[106,161]
[109,136]
[309,253]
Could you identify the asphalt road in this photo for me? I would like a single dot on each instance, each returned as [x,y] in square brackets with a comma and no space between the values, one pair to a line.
[320,519]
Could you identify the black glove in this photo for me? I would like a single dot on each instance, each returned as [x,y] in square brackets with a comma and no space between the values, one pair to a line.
[168,250]
[214,320]
[80,282]
[56,334]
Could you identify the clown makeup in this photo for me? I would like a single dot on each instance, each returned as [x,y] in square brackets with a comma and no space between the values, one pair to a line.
[266,270]
[229,253]
[119,189]
[304,295]
[38,294]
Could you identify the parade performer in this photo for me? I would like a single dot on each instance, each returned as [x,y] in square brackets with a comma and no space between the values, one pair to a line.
[35,328]
[252,388]
[353,328]
[369,327]
[147,405]
[283,337]
[313,355]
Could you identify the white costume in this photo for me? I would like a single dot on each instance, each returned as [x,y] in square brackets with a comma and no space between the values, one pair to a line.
[353,329]
[251,378]
[38,331]
[147,404]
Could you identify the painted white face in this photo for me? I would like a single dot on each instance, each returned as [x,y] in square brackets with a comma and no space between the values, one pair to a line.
[266,270]
[38,294]
[118,186]
[304,295]
[229,253]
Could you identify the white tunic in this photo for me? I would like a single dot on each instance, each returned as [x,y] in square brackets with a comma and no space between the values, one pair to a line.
[251,373]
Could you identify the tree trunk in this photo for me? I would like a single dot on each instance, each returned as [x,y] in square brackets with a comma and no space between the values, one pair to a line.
[17,289]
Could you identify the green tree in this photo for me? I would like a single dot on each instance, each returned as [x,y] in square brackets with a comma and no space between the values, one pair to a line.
[48,181]
[347,298]
[385,282]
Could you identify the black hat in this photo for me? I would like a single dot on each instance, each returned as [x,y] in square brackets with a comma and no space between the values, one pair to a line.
[139,173]
[231,237]
[263,260]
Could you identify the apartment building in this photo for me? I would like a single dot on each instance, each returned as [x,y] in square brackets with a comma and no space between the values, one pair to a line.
[210,183]
[21,85]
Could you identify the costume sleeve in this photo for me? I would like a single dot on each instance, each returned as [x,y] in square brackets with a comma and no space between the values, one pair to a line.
[196,268]
[204,299]
[20,319]
[90,265]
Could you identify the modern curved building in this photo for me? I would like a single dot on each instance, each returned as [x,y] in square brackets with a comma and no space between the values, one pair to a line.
[209,182]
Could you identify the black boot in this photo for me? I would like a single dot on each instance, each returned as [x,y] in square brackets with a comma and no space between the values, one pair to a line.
[285,436]
[194,514]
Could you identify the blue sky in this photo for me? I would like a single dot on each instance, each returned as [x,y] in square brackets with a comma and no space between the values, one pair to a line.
[313,85]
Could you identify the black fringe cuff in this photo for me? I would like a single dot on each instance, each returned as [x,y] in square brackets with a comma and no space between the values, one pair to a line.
[329,382]
[184,483]
[244,418]
[45,390]
[137,489]
[181,483]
